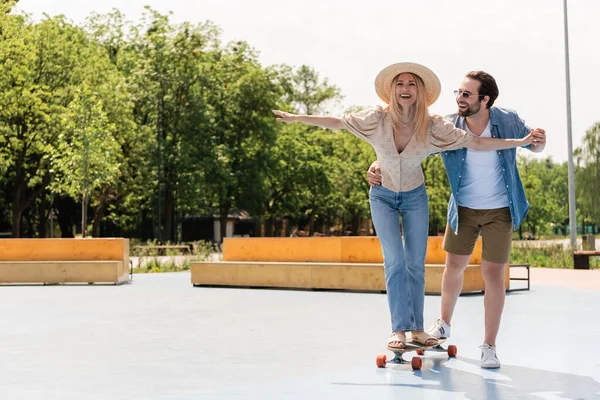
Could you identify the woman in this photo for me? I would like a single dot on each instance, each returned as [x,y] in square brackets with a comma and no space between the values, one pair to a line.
[403,134]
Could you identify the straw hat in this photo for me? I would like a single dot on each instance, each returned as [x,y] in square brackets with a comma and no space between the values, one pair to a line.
[384,79]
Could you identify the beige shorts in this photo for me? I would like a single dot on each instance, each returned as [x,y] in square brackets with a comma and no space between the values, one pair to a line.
[496,230]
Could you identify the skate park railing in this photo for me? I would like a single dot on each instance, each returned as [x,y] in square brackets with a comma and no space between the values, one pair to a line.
[53,261]
[340,263]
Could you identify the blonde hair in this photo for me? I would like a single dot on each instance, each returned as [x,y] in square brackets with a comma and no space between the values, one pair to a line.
[419,113]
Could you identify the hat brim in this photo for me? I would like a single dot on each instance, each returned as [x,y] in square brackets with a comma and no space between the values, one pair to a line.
[384,79]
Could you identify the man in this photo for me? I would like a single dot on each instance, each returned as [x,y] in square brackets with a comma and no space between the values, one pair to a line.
[487,199]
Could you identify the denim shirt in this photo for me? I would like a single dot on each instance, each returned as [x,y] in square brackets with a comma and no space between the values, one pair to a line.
[505,124]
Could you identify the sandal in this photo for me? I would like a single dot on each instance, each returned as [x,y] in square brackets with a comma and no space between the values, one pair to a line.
[423,338]
[397,341]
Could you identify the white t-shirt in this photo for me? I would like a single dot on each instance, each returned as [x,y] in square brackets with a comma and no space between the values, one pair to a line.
[482,186]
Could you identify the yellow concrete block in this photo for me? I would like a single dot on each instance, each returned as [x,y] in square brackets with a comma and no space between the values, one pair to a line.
[64,260]
[63,272]
[367,277]
[312,249]
[253,274]
[360,249]
[92,249]
[289,275]
[349,276]
[354,249]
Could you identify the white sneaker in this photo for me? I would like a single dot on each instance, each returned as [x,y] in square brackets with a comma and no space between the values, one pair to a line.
[488,357]
[440,329]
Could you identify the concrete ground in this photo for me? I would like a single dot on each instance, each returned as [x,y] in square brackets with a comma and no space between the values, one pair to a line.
[161,338]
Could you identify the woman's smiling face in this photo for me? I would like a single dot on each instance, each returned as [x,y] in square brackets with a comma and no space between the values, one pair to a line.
[406,89]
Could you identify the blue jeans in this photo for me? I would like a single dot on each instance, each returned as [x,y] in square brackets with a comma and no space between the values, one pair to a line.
[404,263]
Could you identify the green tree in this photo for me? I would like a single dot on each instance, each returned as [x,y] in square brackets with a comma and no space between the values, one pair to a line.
[588,176]
[165,67]
[294,166]
[307,151]
[545,184]
[240,97]
[7,5]
[39,73]
[126,203]
[88,157]
[305,92]
[346,169]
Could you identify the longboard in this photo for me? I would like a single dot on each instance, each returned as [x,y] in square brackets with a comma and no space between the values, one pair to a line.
[416,362]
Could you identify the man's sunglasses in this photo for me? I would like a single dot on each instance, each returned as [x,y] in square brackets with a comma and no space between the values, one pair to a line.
[466,95]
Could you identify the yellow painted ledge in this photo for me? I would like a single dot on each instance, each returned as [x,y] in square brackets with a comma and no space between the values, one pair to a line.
[311,275]
[92,249]
[15,272]
[339,249]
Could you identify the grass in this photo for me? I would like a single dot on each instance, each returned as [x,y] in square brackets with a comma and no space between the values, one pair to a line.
[150,262]
[153,264]
[548,256]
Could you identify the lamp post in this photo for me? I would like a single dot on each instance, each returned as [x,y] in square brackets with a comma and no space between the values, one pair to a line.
[572,214]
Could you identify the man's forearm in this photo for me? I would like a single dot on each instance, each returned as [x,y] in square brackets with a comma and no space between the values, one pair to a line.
[488,144]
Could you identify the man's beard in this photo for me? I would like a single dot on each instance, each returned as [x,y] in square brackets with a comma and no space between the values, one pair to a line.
[474,109]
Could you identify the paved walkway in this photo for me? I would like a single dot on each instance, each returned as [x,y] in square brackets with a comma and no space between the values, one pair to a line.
[162,338]
[578,279]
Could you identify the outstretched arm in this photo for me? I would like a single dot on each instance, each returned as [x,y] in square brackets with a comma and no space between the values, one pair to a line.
[487,144]
[315,120]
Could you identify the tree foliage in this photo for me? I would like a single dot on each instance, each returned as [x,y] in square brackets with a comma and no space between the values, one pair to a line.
[148,122]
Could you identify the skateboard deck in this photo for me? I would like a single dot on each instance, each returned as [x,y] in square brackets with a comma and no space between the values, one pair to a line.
[416,362]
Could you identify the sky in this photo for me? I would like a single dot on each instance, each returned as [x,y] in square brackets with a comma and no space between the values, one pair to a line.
[519,42]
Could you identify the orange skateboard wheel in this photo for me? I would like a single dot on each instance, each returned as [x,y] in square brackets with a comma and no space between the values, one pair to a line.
[421,352]
[452,350]
[380,361]
[416,363]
